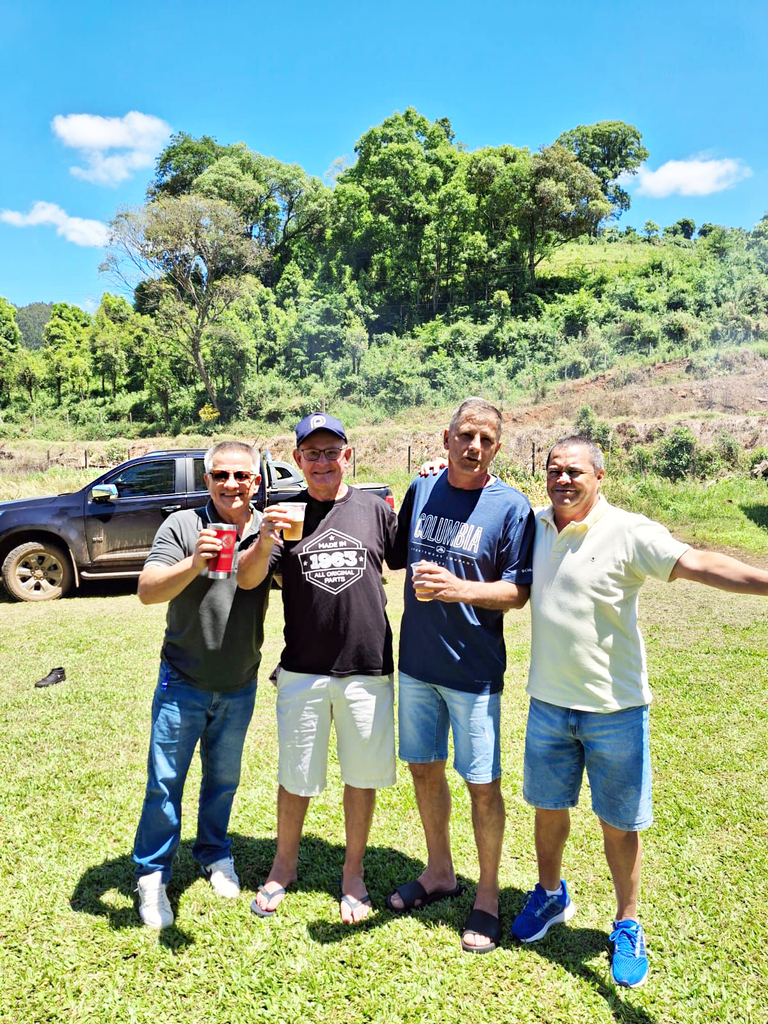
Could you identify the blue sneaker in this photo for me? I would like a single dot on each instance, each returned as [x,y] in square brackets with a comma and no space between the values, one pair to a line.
[541,912]
[629,964]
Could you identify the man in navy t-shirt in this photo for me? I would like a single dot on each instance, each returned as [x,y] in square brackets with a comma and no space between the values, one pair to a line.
[467,538]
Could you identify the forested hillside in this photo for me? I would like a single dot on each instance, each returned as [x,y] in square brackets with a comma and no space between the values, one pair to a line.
[246,290]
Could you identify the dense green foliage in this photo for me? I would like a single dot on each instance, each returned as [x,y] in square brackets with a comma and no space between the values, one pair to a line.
[425,272]
[31,320]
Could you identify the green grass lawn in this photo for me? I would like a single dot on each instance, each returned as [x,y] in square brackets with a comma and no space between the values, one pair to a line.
[576,258]
[73,769]
[731,512]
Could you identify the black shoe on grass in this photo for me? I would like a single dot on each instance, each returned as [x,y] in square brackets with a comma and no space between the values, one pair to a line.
[56,675]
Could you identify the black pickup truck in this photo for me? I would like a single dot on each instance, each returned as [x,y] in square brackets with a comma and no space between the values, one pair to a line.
[105,530]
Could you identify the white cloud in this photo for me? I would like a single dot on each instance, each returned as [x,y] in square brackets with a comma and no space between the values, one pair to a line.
[137,137]
[74,229]
[699,176]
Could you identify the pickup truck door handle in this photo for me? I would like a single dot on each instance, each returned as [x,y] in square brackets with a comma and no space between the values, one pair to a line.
[170,508]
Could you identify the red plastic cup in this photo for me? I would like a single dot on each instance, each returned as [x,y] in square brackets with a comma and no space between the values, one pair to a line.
[220,566]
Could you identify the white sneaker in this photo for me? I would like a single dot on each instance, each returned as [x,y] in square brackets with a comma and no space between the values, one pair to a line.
[154,908]
[223,877]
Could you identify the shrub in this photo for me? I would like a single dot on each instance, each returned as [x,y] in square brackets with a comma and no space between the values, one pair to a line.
[641,459]
[706,463]
[727,448]
[756,455]
[673,457]
[588,425]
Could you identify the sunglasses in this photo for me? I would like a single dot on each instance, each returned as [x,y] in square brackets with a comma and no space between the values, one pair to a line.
[313,454]
[220,476]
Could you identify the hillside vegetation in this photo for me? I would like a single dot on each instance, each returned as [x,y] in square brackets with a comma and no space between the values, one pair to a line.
[422,273]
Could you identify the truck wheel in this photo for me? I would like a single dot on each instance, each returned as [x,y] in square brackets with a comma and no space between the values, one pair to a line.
[37,571]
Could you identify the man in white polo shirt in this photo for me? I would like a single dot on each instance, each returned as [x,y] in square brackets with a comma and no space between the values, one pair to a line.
[588,684]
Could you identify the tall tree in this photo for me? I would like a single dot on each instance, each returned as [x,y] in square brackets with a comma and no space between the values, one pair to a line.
[385,205]
[182,161]
[561,200]
[10,340]
[31,319]
[65,351]
[281,206]
[757,243]
[609,149]
[111,336]
[196,251]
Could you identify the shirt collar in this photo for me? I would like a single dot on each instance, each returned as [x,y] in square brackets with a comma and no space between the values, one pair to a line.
[597,513]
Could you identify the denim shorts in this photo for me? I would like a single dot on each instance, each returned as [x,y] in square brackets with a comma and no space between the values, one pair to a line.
[424,713]
[614,747]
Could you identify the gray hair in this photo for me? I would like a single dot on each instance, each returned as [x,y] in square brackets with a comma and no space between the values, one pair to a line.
[480,405]
[233,446]
[578,440]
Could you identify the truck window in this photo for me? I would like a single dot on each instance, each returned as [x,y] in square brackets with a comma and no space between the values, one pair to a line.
[146,479]
[199,481]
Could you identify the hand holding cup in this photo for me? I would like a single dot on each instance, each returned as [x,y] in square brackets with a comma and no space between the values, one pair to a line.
[283,522]
[207,547]
[421,583]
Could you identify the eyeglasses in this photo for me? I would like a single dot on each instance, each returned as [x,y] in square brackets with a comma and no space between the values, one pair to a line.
[313,454]
[220,476]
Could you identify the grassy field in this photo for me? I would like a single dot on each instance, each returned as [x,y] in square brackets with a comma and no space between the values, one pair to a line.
[73,761]
[576,259]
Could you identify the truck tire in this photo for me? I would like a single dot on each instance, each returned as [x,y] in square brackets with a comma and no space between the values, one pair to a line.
[37,571]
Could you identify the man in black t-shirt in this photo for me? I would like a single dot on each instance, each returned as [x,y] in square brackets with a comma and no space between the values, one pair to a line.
[337,663]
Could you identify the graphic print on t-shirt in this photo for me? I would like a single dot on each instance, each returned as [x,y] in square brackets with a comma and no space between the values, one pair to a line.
[333,561]
[435,537]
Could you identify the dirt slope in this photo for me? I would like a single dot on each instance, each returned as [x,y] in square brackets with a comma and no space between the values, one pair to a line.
[640,404]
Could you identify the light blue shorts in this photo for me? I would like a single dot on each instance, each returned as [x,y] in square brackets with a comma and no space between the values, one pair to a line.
[425,712]
[615,749]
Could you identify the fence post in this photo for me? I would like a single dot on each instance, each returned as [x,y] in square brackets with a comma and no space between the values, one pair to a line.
[354,463]
[533,458]
[48,458]
[85,460]
[409,460]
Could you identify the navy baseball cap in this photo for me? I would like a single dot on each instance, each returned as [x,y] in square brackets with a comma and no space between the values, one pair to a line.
[318,421]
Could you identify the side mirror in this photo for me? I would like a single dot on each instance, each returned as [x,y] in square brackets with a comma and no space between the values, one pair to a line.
[104,492]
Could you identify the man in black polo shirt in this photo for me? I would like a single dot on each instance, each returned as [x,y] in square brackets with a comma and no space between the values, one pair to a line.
[207,683]
[337,663]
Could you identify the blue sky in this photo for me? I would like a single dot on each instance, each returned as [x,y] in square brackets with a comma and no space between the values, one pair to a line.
[302,81]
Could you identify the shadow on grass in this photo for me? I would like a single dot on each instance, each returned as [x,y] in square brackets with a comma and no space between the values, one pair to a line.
[571,948]
[568,947]
[757,513]
[320,866]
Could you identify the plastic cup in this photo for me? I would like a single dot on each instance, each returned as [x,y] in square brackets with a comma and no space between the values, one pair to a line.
[220,566]
[422,594]
[295,511]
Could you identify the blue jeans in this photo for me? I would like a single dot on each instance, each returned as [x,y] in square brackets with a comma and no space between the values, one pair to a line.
[425,712]
[182,714]
[614,748]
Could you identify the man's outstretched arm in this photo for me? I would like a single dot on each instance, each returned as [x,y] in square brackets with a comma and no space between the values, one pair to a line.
[720,571]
